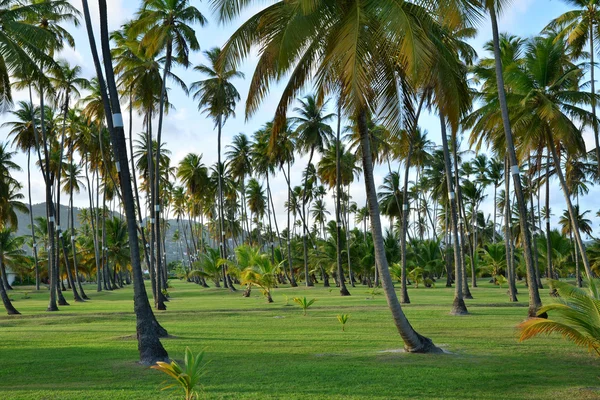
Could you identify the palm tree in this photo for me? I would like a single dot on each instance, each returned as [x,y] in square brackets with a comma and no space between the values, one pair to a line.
[312,134]
[24,139]
[165,26]
[341,47]
[578,313]
[217,97]
[494,7]
[147,328]
[240,165]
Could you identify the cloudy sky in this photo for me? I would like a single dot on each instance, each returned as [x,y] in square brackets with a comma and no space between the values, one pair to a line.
[186,130]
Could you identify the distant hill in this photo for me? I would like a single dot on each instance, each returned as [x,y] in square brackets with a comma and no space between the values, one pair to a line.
[39,210]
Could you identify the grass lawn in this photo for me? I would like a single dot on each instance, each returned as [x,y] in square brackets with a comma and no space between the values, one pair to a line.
[271,351]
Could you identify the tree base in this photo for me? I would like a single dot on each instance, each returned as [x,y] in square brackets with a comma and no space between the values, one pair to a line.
[63,302]
[426,346]
[52,308]
[459,307]
[161,306]
[344,291]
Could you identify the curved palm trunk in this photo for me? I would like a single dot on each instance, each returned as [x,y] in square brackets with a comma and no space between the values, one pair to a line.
[572,216]
[549,266]
[10,309]
[413,341]
[338,204]
[152,267]
[149,346]
[72,229]
[458,306]
[510,261]
[534,296]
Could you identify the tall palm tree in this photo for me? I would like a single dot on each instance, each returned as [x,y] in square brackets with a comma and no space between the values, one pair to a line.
[217,98]
[494,7]
[165,26]
[24,139]
[337,40]
[240,164]
[147,328]
[313,133]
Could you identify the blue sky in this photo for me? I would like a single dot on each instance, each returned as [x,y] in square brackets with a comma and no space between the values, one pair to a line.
[186,130]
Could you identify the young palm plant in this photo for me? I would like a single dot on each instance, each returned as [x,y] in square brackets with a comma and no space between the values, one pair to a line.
[579,316]
[187,376]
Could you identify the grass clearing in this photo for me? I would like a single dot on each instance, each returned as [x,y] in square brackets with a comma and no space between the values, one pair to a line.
[272,351]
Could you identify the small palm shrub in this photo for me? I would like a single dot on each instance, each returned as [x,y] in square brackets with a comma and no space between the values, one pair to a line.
[304,303]
[579,316]
[343,318]
[188,376]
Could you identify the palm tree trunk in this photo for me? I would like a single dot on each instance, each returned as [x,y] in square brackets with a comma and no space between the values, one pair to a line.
[510,261]
[307,278]
[149,346]
[222,242]
[34,243]
[289,233]
[156,195]
[534,296]
[404,227]
[53,281]
[572,215]
[461,218]
[10,309]
[136,193]
[549,269]
[338,204]
[593,92]
[413,341]
[458,306]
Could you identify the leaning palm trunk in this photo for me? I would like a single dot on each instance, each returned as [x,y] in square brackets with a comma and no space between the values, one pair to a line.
[534,296]
[308,280]
[413,342]
[572,216]
[458,306]
[10,309]
[549,267]
[149,346]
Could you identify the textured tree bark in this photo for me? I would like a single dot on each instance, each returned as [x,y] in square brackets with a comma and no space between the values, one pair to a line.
[10,309]
[149,346]
[413,341]
[510,272]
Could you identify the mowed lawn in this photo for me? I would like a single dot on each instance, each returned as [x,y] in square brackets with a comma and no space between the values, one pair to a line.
[271,351]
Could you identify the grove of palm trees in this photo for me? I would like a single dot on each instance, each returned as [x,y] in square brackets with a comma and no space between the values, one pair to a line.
[305,199]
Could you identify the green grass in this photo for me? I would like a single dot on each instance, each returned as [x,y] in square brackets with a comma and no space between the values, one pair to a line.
[270,351]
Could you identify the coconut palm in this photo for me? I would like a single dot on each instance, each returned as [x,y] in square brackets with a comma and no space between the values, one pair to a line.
[147,328]
[364,76]
[10,247]
[217,97]
[313,133]
[493,8]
